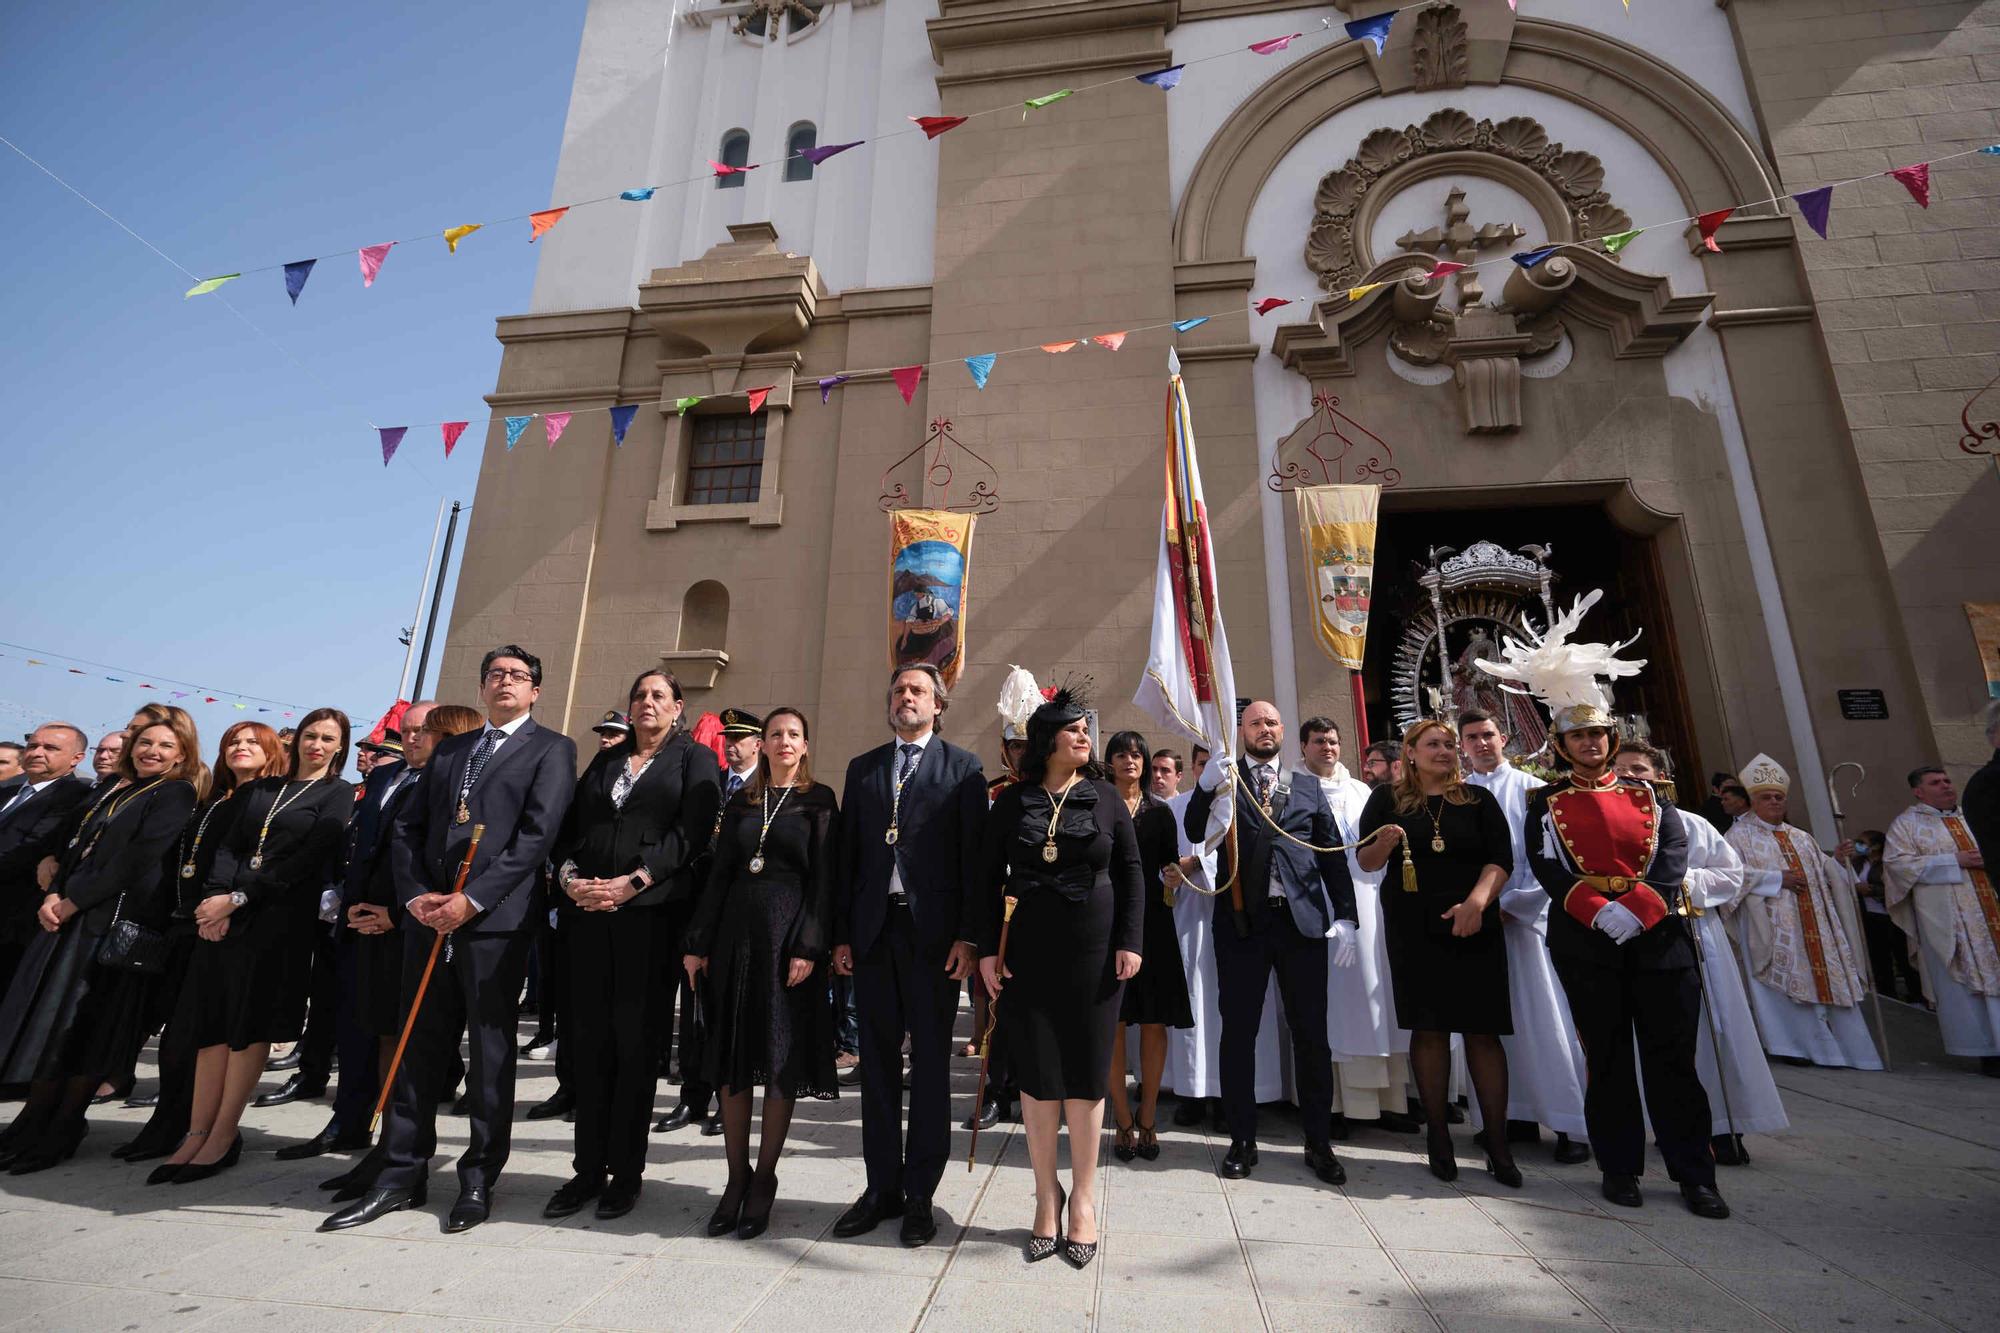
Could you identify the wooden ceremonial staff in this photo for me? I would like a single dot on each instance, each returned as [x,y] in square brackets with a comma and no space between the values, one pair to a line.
[992,1021]
[396,1060]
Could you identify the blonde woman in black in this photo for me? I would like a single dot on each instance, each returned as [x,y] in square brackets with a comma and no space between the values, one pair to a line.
[74,1012]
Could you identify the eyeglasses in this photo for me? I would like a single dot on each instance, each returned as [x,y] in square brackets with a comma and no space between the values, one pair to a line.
[500,676]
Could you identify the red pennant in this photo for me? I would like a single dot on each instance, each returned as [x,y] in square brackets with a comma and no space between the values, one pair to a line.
[208,699]
[724,169]
[1270,303]
[1445,268]
[933,126]
[1708,222]
[906,380]
[757,397]
[452,430]
[1109,341]
[1917,180]
[539,223]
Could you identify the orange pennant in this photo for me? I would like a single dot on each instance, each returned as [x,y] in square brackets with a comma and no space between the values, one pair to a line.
[539,223]
[1056,349]
[1109,341]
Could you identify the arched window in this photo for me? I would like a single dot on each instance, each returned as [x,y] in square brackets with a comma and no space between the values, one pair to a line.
[704,617]
[735,153]
[803,138]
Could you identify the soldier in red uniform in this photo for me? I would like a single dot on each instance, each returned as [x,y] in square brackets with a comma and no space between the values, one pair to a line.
[1612,855]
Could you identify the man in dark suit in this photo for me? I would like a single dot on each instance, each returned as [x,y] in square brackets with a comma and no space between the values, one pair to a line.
[367,883]
[35,808]
[515,779]
[911,816]
[1298,907]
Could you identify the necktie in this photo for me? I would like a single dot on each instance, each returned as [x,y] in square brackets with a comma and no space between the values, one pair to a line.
[734,785]
[480,754]
[26,790]
[908,763]
[1265,780]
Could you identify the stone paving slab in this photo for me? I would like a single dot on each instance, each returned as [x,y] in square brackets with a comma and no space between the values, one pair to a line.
[1879,1209]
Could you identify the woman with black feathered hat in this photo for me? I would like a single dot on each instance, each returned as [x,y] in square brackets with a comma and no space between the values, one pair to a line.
[1061,843]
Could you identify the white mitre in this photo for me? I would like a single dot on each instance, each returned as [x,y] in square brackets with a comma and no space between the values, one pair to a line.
[1765,774]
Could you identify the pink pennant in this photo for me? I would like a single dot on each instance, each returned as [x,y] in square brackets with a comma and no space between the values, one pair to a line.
[452,430]
[1270,303]
[1445,268]
[757,397]
[1708,222]
[724,169]
[906,378]
[1273,45]
[1057,349]
[1109,341]
[1917,180]
[371,261]
[557,423]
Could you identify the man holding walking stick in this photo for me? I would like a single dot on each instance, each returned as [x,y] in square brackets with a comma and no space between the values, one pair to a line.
[515,779]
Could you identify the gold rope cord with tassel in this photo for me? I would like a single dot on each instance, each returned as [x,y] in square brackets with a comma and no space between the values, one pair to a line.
[1228,785]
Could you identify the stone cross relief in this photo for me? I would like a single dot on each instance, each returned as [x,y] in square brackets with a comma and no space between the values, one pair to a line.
[1460,241]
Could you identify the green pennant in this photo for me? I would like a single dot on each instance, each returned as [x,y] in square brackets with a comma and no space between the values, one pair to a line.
[1037,103]
[685,403]
[1614,243]
[207,285]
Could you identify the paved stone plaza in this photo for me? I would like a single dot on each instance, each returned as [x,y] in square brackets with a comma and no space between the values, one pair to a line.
[1880,1209]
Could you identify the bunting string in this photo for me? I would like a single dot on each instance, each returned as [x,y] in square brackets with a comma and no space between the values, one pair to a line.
[169,688]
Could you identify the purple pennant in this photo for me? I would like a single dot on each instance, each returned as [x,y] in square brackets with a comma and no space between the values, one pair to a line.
[1166,79]
[392,439]
[621,421]
[1530,258]
[1814,205]
[824,151]
[828,385]
[296,274]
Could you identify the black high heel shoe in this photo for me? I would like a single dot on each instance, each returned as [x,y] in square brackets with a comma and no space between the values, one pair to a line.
[1078,1253]
[1126,1146]
[1444,1163]
[1044,1247]
[1507,1174]
[193,1171]
[757,1206]
[729,1210]
[42,1157]
[1149,1144]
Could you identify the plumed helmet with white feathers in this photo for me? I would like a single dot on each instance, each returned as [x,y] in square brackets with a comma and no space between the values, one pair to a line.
[1565,676]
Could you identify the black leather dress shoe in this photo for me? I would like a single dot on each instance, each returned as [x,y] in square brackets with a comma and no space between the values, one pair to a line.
[619,1198]
[331,1139]
[869,1211]
[374,1204]
[1188,1112]
[919,1223]
[557,1105]
[462,1105]
[1320,1158]
[572,1195]
[1729,1150]
[679,1118]
[1241,1157]
[1703,1201]
[1569,1152]
[1624,1191]
[289,1060]
[985,1116]
[145,1103]
[472,1208]
[712,1126]
[292,1089]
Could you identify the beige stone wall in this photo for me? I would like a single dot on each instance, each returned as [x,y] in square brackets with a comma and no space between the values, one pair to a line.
[1905,295]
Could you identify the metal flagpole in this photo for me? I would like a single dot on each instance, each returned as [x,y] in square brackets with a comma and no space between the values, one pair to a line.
[423,581]
[437,596]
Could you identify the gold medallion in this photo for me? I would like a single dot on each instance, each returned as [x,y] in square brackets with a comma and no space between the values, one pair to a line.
[464,815]
[187,871]
[1049,852]
[257,861]
[1437,843]
[890,836]
[756,865]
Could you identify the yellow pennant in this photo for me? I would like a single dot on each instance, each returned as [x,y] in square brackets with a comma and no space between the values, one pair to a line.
[453,235]
[1356,293]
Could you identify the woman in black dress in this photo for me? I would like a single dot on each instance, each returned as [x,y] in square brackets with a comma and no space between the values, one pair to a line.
[249,751]
[1448,853]
[69,1019]
[761,932]
[1156,999]
[252,964]
[1062,845]
[643,811]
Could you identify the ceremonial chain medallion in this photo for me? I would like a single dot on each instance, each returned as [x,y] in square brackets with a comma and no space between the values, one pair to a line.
[91,814]
[1437,829]
[757,858]
[188,861]
[1049,844]
[112,814]
[896,802]
[277,808]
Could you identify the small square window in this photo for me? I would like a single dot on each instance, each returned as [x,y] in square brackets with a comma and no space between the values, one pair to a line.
[726,460]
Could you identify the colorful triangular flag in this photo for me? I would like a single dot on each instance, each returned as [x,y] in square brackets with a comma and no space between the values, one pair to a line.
[621,421]
[933,126]
[757,397]
[1445,268]
[515,425]
[451,430]
[371,261]
[1814,206]
[1708,222]
[979,367]
[1037,103]
[1166,79]
[1374,30]
[826,150]
[1270,303]
[1111,342]
[1183,325]
[638,196]
[1356,293]
[539,223]
[1619,240]
[682,405]
[296,274]
[392,440]
[1917,180]
[1530,258]
[1273,45]
[1057,349]
[453,235]
[724,169]
[827,385]
[906,378]
[207,285]
[1991,150]
[556,423]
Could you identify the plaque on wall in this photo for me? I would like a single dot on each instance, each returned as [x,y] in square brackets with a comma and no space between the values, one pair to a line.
[1863,706]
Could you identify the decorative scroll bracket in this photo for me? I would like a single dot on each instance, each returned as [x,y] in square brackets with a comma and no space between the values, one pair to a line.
[982,497]
[1337,449]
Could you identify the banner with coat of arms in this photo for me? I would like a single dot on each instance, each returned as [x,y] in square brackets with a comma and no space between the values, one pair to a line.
[930,573]
[1337,530]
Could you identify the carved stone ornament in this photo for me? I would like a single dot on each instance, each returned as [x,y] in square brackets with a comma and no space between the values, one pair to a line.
[1440,53]
[1576,176]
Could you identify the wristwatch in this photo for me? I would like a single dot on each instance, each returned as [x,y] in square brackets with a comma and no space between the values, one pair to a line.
[637,882]
[237,897]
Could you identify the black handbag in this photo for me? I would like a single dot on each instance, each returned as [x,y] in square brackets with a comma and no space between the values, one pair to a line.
[131,947]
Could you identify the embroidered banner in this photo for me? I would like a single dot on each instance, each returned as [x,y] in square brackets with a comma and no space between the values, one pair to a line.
[930,573]
[1337,529]
[1984,617]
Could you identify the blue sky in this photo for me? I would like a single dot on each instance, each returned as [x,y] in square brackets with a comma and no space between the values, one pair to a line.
[185,500]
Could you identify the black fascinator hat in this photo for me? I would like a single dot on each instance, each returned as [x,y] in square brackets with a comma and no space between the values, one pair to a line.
[1068,704]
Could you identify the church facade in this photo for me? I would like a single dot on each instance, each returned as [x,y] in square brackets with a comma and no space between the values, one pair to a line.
[1754,449]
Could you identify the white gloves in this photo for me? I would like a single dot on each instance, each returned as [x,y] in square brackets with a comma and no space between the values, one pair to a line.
[1214,771]
[1346,939]
[329,905]
[1617,921]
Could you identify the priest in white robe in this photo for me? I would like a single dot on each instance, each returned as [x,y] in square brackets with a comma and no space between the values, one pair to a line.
[1800,933]
[1742,1095]
[1545,1066]
[1941,894]
[1371,1055]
